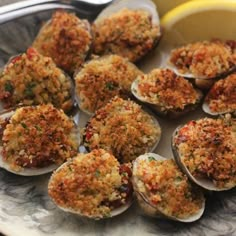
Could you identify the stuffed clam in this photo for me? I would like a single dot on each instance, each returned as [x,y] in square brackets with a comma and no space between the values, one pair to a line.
[204,61]
[92,185]
[205,150]
[36,139]
[128,28]
[166,93]
[109,76]
[32,79]
[66,39]
[123,128]
[164,191]
[222,97]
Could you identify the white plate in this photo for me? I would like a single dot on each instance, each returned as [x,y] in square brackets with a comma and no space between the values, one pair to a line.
[26,210]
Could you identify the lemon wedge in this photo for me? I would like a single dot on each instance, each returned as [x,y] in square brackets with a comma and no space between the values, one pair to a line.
[163,6]
[200,20]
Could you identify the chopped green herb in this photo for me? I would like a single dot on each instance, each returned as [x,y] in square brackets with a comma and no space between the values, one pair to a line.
[24,125]
[38,128]
[110,86]
[8,87]
[178,178]
[29,89]
[151,158]
[97,173]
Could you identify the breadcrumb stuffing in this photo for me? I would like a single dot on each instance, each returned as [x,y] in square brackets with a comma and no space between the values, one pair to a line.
[92,184]
[208,149]
[66,39]
[122,128]
[37,137]
[167,90]
[109,76]
[222,95]
[207,59]
[167,188]
[32,79]
[128,33]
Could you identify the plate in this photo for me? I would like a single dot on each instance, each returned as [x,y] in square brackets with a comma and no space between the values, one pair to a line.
[25,208]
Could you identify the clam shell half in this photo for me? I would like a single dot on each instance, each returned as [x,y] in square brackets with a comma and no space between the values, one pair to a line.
[6,115]
[205,183]
[149,208]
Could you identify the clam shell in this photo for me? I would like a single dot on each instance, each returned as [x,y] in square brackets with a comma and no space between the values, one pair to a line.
[146,5]
[147,206]
[155,120]
[205,183]
[113,213]
[72,99]
[26,171]
[170,113]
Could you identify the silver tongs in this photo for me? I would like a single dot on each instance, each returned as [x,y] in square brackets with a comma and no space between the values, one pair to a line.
[28,7]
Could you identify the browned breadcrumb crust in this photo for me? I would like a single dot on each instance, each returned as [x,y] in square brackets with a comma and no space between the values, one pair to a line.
[167,90]
[222,95]
[38,136]
[109,76]
[33,79]
[66,39]
[122,128]
[167,188]
[205,59]
[129,33]
[208,149]
[92,184]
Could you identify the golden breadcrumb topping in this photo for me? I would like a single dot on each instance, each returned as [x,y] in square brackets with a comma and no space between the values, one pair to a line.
[129,33]
[37,137]
[92,184]
[204,59]
[66,39]
[208,149]
[222,96]
[122,128]
[108,76]
[164,88]
[33,79]
[167,188]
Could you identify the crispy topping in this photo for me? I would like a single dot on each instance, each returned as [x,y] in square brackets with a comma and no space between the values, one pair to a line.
[122,128]
[204,59]
[164,88]
[33,79]
[222,96]
[66,39]
[208,149]
[167,188]
[91,184]
[129,33]
[108,76]
[37,137]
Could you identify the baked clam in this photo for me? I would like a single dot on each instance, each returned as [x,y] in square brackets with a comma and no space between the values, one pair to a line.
[36,139]
[221,98]
[166,93]
[164,191]
[204,61]
[102,78]
[66,39]
[92,185]
[128,28]
[123,128]
[32,79]
[205,150]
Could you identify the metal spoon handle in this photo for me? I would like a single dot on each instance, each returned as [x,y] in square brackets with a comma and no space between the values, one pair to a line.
[14,11]
[29,3]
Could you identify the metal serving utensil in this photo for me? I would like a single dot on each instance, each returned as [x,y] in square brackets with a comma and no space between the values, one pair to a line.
[24,8]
